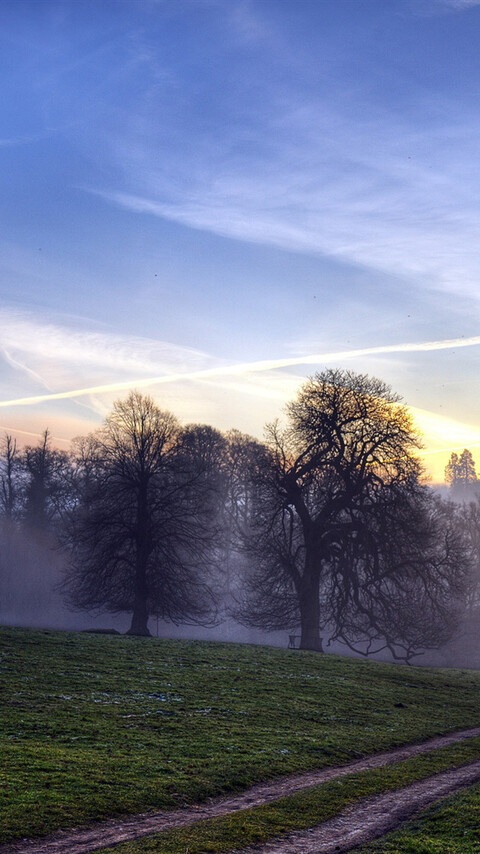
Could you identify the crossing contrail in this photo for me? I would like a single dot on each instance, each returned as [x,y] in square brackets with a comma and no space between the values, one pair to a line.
[16,430]
[247,368]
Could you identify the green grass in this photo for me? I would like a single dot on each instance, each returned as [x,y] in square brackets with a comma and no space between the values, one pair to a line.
[301,811]
[450,827]
[94,726]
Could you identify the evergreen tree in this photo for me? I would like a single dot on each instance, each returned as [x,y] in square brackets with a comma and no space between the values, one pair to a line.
[461,476]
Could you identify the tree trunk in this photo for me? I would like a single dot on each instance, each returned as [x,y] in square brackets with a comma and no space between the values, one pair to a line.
[309,602]
[139,625]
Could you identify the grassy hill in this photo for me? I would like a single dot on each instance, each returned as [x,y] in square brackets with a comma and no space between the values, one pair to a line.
[94,726]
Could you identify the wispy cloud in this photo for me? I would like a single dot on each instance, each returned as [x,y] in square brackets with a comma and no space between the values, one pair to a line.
[281,146]
[45,356]
[49,352]
[445,434]
[244,368]
[12,142]
[310,161]
[216,390]
[408,209]
[459,4]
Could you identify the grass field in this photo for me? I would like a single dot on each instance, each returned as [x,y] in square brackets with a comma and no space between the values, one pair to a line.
[94,726]
[450,827]
[301,811]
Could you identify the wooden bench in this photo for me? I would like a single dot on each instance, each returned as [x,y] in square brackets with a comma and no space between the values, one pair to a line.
[292,642]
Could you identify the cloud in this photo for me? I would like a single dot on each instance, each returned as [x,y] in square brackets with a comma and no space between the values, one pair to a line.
[315,162]
[239,370]
[44,357]
[50,352]
[216,390]
[460,5]
[291,150]
[407,205]
[13,142]
[445,434]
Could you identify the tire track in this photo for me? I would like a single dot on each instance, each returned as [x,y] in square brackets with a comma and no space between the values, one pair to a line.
[372,817]
[114,831]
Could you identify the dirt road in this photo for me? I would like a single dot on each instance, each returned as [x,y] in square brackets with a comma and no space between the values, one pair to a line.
[372,817]
[101,835]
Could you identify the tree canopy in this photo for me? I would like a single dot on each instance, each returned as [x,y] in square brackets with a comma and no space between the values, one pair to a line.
[140,534]
[343,534]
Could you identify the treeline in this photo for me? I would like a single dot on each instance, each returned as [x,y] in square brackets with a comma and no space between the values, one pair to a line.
[325,528]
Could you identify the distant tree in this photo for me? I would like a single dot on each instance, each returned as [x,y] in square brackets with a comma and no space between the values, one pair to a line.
[461,476]
[141,533]
[452,470]
[466,464]
[242,457]
[201,457]
[9,474]
[343,536]
[45,484]
[468,515]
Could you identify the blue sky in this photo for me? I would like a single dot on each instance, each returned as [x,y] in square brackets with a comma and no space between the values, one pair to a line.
[191,186]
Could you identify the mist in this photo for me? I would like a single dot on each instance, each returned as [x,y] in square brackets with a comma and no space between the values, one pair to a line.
[31,575]
[224,553]
[32,570]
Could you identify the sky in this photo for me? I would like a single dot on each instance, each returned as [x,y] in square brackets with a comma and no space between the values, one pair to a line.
[211,200]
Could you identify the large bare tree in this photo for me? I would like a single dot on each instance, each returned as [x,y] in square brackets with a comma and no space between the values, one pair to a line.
[141,532]
[343,534]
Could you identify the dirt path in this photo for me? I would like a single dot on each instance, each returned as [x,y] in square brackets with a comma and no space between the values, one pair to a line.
[113,831]
[372,818]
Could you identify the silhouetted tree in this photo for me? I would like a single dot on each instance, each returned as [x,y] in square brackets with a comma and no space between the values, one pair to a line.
[461,476]
[45,484]
[451,470]
[468,516]
[342,534]
[9,475]
[141,533]
[242,457]
[407,593]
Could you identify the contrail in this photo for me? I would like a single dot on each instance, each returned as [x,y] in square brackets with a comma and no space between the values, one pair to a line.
[246,368]
[447,450]
[12,430]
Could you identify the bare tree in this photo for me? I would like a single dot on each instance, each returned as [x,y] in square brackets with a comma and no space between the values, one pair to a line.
[9,471]
[241,460]
[45,484]
[343,535]
[468,517]
[140,535]
[403,589]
